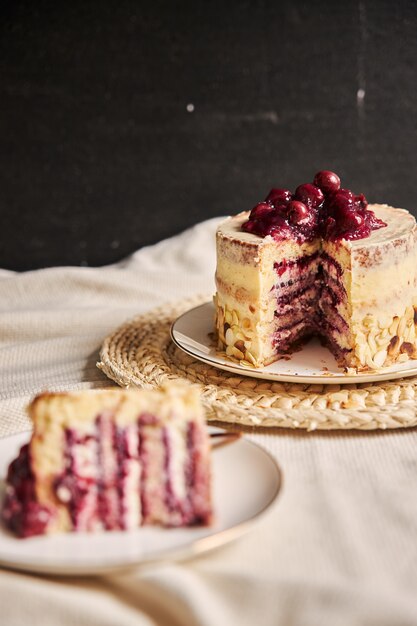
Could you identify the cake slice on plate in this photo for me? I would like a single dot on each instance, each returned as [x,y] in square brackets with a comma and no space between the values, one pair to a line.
[111,460]
[318,262]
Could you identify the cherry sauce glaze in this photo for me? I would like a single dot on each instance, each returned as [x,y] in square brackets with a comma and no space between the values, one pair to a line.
[318,209]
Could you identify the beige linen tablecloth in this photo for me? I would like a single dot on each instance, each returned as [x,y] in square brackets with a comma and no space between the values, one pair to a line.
[339,548]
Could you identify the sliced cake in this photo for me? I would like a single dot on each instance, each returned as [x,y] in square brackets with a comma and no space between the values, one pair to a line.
[111,460]
[318,262]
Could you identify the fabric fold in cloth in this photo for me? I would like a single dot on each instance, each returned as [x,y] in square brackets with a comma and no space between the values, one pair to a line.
[339,546]
[54,320]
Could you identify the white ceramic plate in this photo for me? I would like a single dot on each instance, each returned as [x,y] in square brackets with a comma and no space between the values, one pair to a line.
[312,364]
[246,481]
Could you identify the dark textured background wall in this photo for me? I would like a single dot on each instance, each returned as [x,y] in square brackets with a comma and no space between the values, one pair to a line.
[123,122]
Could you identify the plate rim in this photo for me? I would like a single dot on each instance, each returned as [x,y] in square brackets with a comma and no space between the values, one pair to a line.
[195,548]
[331,379]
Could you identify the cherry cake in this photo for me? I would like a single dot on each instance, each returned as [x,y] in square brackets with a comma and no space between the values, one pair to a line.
[319,261]
[111,460]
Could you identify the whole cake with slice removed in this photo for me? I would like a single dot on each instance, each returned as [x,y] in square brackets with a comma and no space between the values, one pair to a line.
[111,460]
[318,262]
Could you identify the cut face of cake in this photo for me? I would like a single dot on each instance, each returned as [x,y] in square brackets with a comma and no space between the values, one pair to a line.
[280,282]
[111,460]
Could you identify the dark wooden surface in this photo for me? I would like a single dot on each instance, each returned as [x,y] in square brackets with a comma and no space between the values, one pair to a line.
[100,152]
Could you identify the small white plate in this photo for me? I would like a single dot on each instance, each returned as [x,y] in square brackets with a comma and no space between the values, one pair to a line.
[246,481]
[312,364]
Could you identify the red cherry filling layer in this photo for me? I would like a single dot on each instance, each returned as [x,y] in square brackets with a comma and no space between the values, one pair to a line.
[320,209]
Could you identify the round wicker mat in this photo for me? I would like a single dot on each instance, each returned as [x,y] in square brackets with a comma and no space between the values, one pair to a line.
[140,353]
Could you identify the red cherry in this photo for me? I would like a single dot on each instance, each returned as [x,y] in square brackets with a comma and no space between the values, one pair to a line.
[298,212]
[309,194]
[259,227]
[262,227]
[346,193]
[327,181]
[260,210]
[342,201]
[353,220]
[277,196]
[278,228]
[249,226]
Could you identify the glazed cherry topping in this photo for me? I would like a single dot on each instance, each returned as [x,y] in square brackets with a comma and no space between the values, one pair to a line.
[261,210]
[251,226]
[342,200]
[344,193]
[298,212]
[322,209]
[278,196]
[328,182]
[310,195]
[362,200]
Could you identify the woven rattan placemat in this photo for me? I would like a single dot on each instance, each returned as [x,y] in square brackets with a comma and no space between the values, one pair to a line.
[140,353]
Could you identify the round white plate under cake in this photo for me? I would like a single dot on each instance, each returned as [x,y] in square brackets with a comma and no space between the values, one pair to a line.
[313,363]
[246,482]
